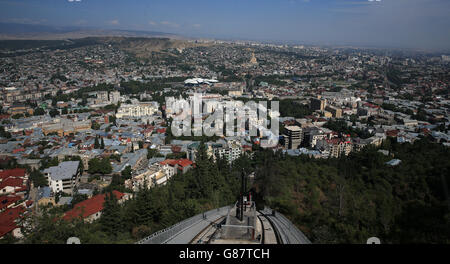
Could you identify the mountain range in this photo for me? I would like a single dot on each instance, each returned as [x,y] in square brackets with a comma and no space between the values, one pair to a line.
[17,31]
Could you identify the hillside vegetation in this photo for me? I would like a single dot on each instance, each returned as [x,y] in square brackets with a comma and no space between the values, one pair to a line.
[351,199]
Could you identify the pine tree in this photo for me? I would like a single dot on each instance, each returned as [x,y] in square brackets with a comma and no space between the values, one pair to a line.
[203,176]
[111,218]
[102,144]
[96,144]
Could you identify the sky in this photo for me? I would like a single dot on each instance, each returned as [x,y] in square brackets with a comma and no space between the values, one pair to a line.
[423,24]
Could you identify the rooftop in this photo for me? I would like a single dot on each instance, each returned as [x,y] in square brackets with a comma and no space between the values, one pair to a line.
[89,207]
[65,170]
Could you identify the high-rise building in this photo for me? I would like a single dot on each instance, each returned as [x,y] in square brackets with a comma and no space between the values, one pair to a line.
[336,112]
[114,97]
[293,137]
[102,96]
[318,104]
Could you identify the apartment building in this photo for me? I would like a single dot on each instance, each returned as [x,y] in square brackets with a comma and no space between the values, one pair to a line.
[318,104]
[293,137]
[334,147]
[139,110]
[64,177]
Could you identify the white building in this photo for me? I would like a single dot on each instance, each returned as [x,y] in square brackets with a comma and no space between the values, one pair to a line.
[114,97]
[231,151]
[139,110]
[62,178]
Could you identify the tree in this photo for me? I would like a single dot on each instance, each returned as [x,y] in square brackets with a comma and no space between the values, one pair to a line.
[64,111]
[111,218]
[77,198]
[102,144]
[54,112]
[95,126]
[38,178]
[112,119]
[101,166]
[151,153]
[96,144]
[4,133]
[39,111]
[17,116]
[126,173]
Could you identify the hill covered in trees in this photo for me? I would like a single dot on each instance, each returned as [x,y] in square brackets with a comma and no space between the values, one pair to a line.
[351,199]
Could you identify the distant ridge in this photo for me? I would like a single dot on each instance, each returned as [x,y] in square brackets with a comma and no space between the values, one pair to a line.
[15,31]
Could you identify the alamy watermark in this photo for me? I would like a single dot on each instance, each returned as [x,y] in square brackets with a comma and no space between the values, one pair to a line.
[202,116]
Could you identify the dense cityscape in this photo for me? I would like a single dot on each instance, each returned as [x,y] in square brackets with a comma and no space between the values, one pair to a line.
[224,131]
[88,117]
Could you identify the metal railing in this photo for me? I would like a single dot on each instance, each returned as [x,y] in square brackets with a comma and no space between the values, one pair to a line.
[161,236]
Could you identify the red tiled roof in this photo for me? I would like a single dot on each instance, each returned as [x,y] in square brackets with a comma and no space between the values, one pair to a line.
[18,150]
[246,147]
[337,141]
[179,162]
[5,229]
[89,207]
[7,200]
[7,220]
[161,130]
[5,116]
[371,105]
[12,173]
[13,182]
[392,133]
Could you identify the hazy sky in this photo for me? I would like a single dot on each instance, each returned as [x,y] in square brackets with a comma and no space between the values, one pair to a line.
[396,23]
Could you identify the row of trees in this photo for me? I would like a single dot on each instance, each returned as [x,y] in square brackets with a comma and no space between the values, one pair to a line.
[99,145]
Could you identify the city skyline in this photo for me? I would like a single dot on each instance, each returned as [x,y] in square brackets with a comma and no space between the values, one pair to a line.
[397,24]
